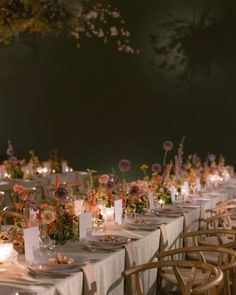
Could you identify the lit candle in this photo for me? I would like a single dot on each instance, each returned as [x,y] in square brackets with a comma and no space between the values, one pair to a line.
[161,202]
[5,251]
[108,214]
[7,176]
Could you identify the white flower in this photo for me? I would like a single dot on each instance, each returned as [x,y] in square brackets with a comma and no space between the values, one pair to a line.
[100,33]
[129,49]
[91,14]
[48,217]
[115,14]
[126,33]
[114,31]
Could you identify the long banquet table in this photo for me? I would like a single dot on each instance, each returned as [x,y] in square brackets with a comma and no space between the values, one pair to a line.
[107,266]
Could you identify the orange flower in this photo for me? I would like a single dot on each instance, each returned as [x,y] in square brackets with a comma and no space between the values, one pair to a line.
[43,206]
[19,206]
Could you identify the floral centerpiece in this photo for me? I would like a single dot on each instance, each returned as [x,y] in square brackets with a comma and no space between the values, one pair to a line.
[137,196]
[98,201]
[13,166]
[21,216]
[58,219]
[55,162]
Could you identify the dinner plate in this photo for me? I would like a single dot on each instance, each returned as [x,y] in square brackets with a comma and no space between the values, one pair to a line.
[136,226]
[41,263]
[169,211]
[112,240]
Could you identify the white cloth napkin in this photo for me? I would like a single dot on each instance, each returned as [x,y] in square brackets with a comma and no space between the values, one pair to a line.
[130,261]
[90,284]
[164,245]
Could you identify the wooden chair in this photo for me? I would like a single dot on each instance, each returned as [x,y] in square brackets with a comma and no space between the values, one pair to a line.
[222,257]
[218,237]
[224,208]
[210,285]
[223,221]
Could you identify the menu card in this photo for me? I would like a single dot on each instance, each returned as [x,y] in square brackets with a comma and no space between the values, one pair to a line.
[85,224]
[31,241]
[118,211]
[198,184]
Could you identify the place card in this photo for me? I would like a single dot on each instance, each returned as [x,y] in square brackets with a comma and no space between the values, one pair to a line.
[198,184]
[31,241]
[85,224]
[185,190]
[151,201]
[118,211]
[78,207]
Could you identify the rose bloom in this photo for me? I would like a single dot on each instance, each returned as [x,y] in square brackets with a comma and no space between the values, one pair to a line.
[103,179]
[48,217]
[18,188]
[168,145]
[124,165]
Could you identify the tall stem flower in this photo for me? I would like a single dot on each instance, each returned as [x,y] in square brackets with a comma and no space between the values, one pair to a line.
[167,146]
[124,166]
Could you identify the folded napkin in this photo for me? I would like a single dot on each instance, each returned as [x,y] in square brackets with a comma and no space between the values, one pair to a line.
[164,238]
[130,261]
[90,284]
[187,228]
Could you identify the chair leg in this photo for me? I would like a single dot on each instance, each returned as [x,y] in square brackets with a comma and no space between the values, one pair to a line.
[226,284]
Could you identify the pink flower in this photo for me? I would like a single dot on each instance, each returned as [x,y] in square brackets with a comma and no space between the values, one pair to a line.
[168,145]
[124,165]
[156,168]
[18,188]
[212,157]
[103,179]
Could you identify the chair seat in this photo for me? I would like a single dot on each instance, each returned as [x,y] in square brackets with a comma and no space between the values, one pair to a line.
[213,241]
[169,276]
[209,256]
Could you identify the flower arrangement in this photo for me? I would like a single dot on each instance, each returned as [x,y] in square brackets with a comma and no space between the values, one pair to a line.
[21,217]
[13,166]
[55,162]
[124,166]
[85,18]
[136,196]
[57,218]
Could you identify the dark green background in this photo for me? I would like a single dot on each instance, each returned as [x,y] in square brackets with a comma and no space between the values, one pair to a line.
[97,106]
